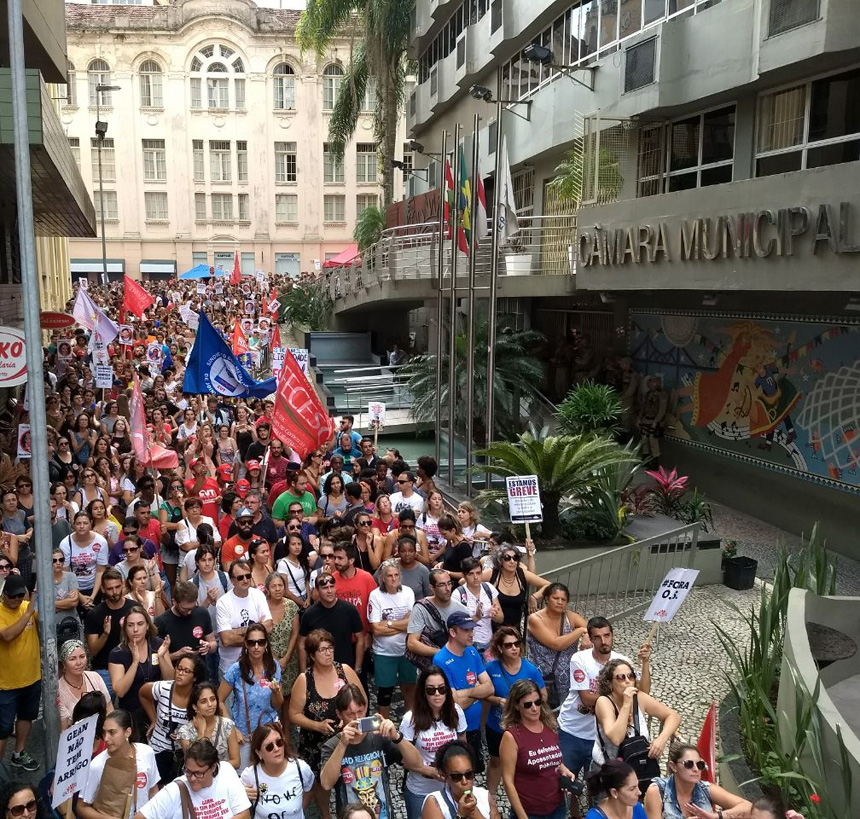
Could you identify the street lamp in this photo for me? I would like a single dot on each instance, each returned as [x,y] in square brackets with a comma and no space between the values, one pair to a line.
[101,130]
[482,93]
[535,53]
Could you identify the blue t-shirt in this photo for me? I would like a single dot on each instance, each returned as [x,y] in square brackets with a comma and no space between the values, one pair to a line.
[638,813]
[502,684]
[259,700]
[462,672]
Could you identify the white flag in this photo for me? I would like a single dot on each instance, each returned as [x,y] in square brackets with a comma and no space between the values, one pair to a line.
[507,219]
[89,315]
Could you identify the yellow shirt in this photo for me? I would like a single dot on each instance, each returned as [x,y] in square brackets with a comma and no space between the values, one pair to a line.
[19,659]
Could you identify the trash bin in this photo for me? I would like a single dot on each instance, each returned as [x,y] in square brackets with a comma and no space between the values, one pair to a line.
[740,573]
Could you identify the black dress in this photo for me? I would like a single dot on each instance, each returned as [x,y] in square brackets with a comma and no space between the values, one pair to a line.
[513,606]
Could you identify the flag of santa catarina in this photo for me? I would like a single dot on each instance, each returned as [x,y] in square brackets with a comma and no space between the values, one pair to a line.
[300,419]
[136,300]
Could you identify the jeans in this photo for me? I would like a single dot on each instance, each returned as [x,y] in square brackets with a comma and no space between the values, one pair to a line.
[414,804]
[103,673]
[575,751]
[213,658]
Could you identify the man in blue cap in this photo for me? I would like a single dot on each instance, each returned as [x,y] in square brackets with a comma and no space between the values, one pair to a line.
[464,670]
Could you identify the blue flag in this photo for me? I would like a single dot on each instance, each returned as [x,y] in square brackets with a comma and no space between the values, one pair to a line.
[213,369]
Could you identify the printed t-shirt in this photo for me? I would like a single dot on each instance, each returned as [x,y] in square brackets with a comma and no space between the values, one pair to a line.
[235,549]
[237,612]
[223,799]
[536,777]
[280,796]
[503,681]
[483,631]
[20,665]
[428,742]
[356,590]
[208,493]
[575,717]
[399,502]
[168,717]
[147,777]
[184,631]
[383,606]
[463,672]
[84,560]
[363,773]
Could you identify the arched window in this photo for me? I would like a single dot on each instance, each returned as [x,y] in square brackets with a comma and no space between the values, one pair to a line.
[98,73]
[71,80]
[150,85]
[217,68]
[285,87]
[332,78]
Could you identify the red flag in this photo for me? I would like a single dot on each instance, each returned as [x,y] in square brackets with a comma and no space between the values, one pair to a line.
[449,195]
[276,335]
[707,744]
[136,300]
[137,424]
[300,419]
[236,276]
[240,343]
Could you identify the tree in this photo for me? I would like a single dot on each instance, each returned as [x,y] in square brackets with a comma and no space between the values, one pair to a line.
[382,28]
[369,227]
[566,466]
[568,176]
[518,375]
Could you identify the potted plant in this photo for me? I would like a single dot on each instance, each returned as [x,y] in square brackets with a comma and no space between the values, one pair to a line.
[517,261]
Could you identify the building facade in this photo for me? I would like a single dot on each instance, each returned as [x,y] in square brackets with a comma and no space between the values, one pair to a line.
[216,139]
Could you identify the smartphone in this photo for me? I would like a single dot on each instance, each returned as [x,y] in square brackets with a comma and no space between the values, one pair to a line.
[368,725]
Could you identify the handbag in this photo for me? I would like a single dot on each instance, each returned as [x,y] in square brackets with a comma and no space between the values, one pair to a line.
[436,638]
[185,799]
[634,750]
[550,680]
[118,786]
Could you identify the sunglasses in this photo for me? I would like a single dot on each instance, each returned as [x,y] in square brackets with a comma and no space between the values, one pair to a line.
[131,549]
[19,810]
[364,523]
[430,690]
[532,703]
[59,560]
[261,643]
[459,777]
[5,567]
[294,528]
[402,482]
[324,584]
[241,577]
[270,746]
[514,644]
[689,764]
[511,558]
[24,485]
[622,677]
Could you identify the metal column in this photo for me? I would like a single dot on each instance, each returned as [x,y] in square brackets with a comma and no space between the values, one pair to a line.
[452,340]
[100,138]
[440,301]
[470,331]
[35,382]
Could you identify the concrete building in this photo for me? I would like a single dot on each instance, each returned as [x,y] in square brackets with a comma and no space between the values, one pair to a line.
[718,234]
[216,140]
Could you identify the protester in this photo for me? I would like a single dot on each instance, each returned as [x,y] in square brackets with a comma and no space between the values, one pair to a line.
[103,625]
[205,722]
[340,619]
[18,799]
[86,553]
[236,610]
[76,681]
[284,638]
[614,788]
[460,797]
[68,622]
[513,583]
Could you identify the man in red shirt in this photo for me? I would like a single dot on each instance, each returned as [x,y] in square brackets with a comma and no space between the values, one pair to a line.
[148,527]
[277,465]
[353,585]
[205,488]
[236,547]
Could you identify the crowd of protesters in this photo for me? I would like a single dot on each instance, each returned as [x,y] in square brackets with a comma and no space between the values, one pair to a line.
[243,619]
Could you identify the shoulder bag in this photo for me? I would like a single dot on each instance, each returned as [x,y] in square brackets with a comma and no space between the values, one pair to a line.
[633,749]
[185,799]
[435,637]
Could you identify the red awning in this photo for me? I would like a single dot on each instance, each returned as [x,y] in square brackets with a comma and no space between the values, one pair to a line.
[344,257]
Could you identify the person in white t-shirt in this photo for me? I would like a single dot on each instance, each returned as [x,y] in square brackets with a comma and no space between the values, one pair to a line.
[388,609]
[406,497]
[117,731]
[235,610]
[214,789]
[481,601]
[576,723]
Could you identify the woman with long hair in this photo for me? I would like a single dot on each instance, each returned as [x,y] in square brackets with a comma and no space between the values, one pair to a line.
[260,558]
[137,584]
[120,439]
[470,520]
[313,468]
[18,800]
[332,503]
[770,807]
[144,779]
[82,437]
[368,495]
[369,543]
[205,722]
[243,431]
[460,798]
[87,554]
[108,473]
[76,680]
[110,415]
[284,638]
[428,521]
[384,520]
[101,449]
[277,781]
[296,571]
[90,488]
[614,791]
[532,766]
[101,523]
[435,720]
[227,447]
[513,582]
[255,683]
[188,427]
[66,510]
[141,657]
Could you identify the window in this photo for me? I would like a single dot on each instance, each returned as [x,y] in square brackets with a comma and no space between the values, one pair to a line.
[217,93]
[196,93]
[332,78]
[241,161]
[810,125]
[154,160]
[75,145]
[111,211]
[199,162]
[71,80]
[240,95]
[108,160]
[219,160]
[332,168]
[334,208]
[98,73]
[701,150]
[150,85]
[365,162]
[364,201]
[216,78]
[156,205]
[408,160]
[368,101]
[222,207]
[284,88]
[244,210]
[286,207]
[200,207]
[285,162]
[788,14]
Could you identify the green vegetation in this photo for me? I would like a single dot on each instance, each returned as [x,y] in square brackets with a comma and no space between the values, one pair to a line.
[308,306]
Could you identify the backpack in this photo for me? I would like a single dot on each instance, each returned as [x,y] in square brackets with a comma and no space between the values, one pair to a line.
[221,576]
[436,637]
[461,590]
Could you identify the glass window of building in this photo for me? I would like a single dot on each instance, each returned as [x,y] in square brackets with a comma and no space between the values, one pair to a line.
[287,208]
[222,207]
[332,168]
[200,207]
[110,204]
[154,160]
[98,73]
[219,160]
[242,161]
[285,162]
[332,78]
[199,161]
[334,207]
[366,163]
[212,72]
[284,87]
[71,81]
[108,171]
[150,85]
[364,201]
[156,205]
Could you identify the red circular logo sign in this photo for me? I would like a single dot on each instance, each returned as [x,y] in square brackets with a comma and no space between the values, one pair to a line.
[471,678]
[55,321]
[13,359]
[239,550]
[197,631]
[579,675]
[346,776]
[141,780]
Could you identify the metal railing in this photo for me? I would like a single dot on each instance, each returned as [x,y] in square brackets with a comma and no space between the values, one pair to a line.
[624,580]
[357,386]
[544,246]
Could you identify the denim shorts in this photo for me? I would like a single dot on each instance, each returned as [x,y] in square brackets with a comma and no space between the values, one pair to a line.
[19,703]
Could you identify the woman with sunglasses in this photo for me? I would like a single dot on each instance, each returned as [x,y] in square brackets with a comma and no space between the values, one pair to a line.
[87,554]
[24,491]
[90,488]
[19,801]
[101,524]
[117,734]
[63,459]
[205,722]
[369,543]
[614,791]
[459,797]
[434,721]
[255,683]
[278,783]
[66,598]
[76,680]
[513,582]
[531,755]
[294,566]
[622,711]
[683,794]
[284,638]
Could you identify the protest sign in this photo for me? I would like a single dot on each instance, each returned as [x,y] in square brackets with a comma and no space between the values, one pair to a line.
[302,358]
[193,320]
[376,413]
[84,283]
[278,354]
[264,325]
[672,592]
[249,307]
[274,306]
[104,376]
[73,759]
[25,448]
[154,354]
[126,335]
[201,288]
[524,499]
[13,357]
[247,326]
[100,352]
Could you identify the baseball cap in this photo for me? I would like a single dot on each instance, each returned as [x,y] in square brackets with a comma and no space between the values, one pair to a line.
[242,486]
[193,462]
[15,586]
[225,471]
[252,464]
[244,512]
[461,620]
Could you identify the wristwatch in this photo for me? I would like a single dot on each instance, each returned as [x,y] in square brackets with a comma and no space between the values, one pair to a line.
[388,623]
[399,738]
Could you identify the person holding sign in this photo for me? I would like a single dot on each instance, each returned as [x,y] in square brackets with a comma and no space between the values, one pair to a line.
[122,778]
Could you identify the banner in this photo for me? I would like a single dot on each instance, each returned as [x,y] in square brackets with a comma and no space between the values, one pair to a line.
[73,758]
[524,499]
[236,275]
[240,343]
[104,376]
[137,424]
[13,356]
[300,420]
[213,369]
[278,354]
[89,315]
[135,299]
[302,357]
[672,592]
[25,446]
[707,744]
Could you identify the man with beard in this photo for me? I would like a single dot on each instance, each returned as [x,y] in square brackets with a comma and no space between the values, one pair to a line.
[236,547]
[430,615]
[340,619]
[103,626]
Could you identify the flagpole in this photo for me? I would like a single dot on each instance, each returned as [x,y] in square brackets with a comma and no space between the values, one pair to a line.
[470,344]
[440,299]
[452,338]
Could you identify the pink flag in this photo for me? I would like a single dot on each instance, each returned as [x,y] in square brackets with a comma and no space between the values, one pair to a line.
[139,433]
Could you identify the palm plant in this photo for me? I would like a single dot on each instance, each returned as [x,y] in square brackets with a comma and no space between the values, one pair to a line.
[518,375]
[369,227]
[566,466]
[590,409]
[568,176]
[382,30]
[308,306]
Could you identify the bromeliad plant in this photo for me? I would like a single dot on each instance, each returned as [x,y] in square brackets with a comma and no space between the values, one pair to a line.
[671,497]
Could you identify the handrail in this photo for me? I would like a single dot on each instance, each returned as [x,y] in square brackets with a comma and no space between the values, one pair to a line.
[365,369]
[627,577]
